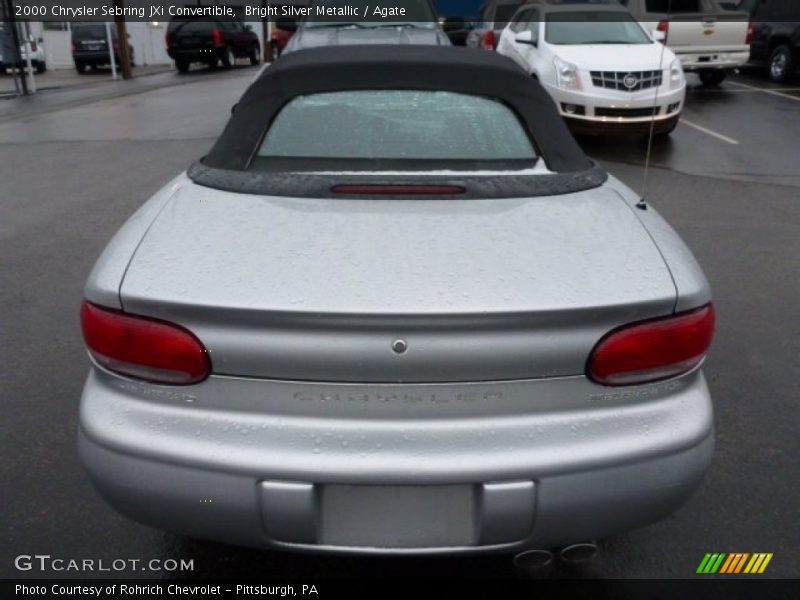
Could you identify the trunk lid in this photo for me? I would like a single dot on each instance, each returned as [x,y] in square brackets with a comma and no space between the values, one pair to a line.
[320,289]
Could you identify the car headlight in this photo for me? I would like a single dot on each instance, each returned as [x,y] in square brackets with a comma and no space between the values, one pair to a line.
[676,74]
[566,75]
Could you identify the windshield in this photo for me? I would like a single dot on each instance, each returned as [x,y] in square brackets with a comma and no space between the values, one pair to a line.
[397,124]
[576,28]
[340,13]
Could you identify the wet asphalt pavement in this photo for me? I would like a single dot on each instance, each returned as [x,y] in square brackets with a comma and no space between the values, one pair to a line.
[76,164]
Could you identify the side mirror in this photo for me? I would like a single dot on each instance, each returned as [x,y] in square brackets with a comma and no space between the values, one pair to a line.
[233,108]
[40,40]
[658,36]
[286,24]
[526,37]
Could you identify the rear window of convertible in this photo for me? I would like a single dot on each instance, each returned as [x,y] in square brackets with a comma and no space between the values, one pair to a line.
[397,125]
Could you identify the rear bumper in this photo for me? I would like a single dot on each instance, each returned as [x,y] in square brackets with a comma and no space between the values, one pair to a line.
[21,64]
[703,61]
[609,461]
[196,54]
[94,58]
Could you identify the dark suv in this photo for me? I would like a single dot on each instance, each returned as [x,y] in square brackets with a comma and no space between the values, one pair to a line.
[776,35]
[211,42]
[90,46]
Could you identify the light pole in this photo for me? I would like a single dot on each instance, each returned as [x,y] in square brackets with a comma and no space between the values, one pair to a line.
[122,39]
[28,60]
[266,32]
[112,59]
[8,9]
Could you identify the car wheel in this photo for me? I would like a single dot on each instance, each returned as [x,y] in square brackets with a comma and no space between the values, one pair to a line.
[41,67]
[80,68]
[182,66]
[712,78]
[255,55]
[781,64]
[229,58]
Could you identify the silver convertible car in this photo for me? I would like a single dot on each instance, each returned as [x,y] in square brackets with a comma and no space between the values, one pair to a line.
[396,309]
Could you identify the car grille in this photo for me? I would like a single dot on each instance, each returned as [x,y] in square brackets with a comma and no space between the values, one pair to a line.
[629,113]
[627,81]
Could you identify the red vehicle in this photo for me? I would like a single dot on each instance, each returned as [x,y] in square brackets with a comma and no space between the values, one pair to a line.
[282,31]
[495,15]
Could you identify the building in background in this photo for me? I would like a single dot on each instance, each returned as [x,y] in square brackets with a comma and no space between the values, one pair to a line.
[147,39]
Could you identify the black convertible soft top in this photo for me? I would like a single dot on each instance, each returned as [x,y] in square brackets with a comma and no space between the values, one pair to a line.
[341,68]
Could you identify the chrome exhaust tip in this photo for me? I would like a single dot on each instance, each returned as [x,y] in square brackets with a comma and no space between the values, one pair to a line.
[577,553]
[533,559]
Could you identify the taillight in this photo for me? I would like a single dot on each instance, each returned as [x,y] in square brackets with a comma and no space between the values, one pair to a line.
[663,27]
[750,32]
[489,40]
[142,347]
[398,190]
[217,36]
[653,350]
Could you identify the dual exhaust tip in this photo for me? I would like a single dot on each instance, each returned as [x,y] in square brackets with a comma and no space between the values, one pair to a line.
[574,553]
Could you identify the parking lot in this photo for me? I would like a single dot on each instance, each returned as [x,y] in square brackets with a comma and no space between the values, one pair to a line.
[77,163]
[61,79]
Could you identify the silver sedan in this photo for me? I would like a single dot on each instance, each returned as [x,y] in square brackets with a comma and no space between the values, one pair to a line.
[396,309]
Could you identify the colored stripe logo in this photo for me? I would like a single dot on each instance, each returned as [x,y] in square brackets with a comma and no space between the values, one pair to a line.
[734,563]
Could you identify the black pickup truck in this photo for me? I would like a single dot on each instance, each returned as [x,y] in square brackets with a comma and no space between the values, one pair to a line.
[211,42]
[776,35]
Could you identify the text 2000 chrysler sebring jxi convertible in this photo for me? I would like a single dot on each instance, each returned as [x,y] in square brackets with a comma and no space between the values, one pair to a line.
[396,309]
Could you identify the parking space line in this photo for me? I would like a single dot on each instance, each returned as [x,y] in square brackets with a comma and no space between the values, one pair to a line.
[750,90]
[765,90]
[707,131]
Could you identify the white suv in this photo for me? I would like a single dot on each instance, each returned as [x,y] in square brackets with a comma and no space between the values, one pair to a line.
[9,61]
[36,49]
[604,71]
